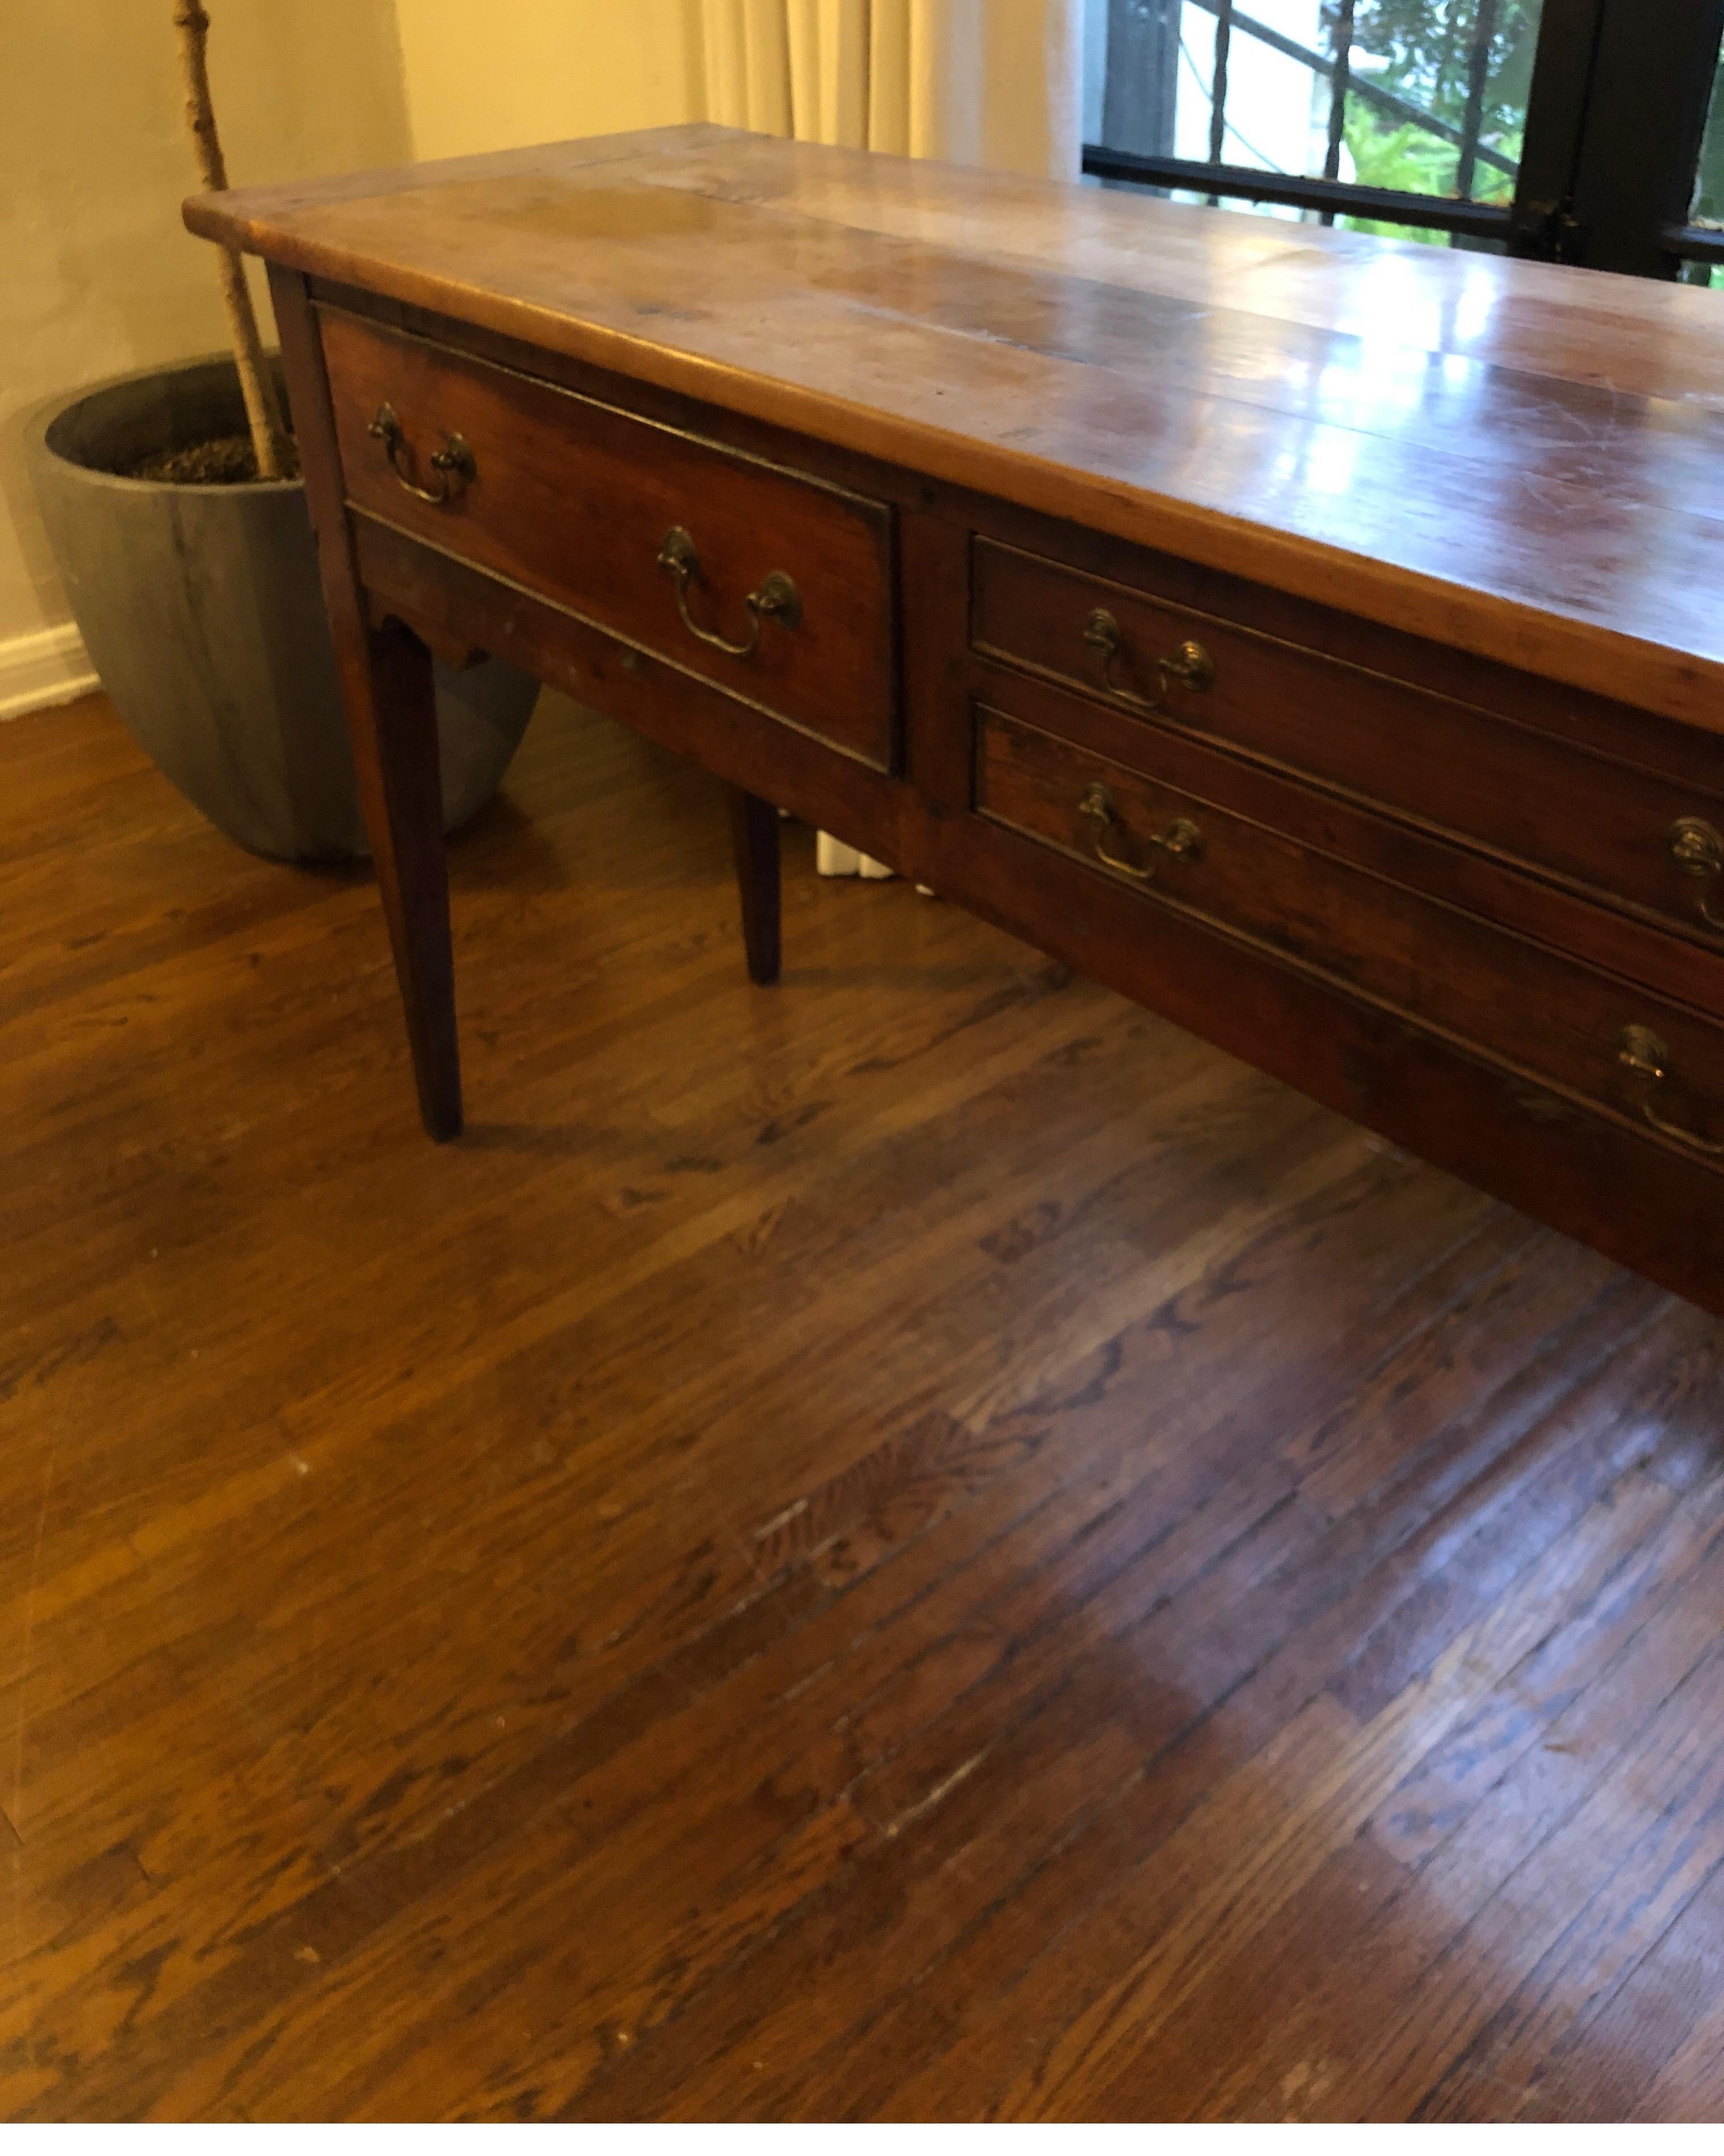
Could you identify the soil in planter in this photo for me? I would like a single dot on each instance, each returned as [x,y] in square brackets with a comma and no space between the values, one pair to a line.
[229,460]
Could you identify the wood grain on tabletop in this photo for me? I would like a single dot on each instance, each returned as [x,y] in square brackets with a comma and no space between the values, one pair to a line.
[1515,458]
[918,1543]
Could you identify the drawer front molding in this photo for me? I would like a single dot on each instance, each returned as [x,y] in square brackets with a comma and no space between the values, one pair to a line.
[1540,1011]
[1622,834]
[769,582]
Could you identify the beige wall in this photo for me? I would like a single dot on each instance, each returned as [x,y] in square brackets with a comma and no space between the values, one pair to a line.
[100,274]
[487,74]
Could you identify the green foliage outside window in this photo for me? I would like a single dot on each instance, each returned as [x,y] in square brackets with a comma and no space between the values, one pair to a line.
[1709,186]
[1427,45]
[1428,49]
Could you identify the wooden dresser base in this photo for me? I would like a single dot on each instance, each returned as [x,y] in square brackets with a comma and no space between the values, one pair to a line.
[1200,804]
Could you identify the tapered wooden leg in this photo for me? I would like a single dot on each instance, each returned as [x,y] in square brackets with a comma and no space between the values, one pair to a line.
[391,717]
[391,704]
[754,834]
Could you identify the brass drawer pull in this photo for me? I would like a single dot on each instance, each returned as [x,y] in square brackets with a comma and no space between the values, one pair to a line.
[454,462]
[777,600]
[1182,839]
[1697,848]
[1640,1050]
[1190,665]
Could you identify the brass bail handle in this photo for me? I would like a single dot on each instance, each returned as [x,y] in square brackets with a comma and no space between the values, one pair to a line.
[1697,848]
[454,462]
[1180,841]
[1189,665]
[1639,1050]
[776,599]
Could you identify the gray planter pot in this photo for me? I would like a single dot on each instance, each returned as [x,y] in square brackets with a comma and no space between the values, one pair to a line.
[201,610]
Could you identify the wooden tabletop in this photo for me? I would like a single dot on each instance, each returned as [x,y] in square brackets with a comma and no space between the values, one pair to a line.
[1524,461]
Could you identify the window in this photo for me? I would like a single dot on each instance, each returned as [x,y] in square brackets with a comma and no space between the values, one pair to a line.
[1703,240]
[1566,129]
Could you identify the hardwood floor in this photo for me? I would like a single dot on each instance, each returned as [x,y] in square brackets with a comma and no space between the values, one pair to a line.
[915,1543]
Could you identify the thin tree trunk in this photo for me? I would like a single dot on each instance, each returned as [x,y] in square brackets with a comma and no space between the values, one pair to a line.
[256,384]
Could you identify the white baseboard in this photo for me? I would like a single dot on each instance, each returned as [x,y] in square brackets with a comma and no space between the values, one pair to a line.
[48,666]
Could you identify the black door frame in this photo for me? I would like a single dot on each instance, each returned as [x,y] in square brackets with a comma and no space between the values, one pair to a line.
[1618,107]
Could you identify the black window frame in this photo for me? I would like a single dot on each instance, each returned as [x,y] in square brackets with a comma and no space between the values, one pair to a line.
[1614,121]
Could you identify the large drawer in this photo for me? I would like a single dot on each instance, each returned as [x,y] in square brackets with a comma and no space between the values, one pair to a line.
[1622,833]
[776,586]
[1540,1011]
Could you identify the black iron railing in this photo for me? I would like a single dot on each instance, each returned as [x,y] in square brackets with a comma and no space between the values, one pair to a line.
[1330,195]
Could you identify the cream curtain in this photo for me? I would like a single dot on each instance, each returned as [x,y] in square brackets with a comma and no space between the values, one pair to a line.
[977,82]
[980,82]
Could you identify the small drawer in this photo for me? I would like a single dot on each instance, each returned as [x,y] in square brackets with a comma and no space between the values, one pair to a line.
[1543,1013]
[1621,833]
[773,585]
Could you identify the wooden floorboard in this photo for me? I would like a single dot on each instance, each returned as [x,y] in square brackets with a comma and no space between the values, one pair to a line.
[916,1543]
